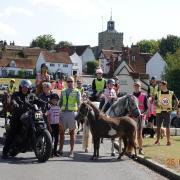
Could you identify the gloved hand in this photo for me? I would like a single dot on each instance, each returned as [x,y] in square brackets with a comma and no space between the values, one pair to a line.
[15,105]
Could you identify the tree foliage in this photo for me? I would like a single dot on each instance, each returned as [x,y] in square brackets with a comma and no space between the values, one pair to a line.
[43,41]
[148,46]
[91,66]
[172,71]
[169,45]
[63,44]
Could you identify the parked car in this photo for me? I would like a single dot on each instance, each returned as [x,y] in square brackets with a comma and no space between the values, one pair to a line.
[3,86]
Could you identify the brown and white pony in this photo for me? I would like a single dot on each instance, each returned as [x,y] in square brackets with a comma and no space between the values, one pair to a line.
[102,126]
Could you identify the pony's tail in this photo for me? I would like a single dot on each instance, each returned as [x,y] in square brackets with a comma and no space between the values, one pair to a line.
[87,137]
[132,143]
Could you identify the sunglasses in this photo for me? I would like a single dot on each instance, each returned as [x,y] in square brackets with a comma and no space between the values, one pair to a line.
[69,81]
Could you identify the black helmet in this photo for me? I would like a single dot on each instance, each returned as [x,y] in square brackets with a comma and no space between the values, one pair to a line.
[25,83]
[111,81]
[153,78]
[44,65]
[54,96]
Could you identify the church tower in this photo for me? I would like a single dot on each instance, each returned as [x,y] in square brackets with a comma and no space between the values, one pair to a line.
[110,39]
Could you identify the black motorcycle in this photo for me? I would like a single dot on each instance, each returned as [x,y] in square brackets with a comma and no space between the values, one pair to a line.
[34,135]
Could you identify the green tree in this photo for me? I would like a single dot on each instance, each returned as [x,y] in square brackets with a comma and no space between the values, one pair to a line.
[169,45]
[63,44]
[43,41]
[148,46]
[172,71]
[91,66]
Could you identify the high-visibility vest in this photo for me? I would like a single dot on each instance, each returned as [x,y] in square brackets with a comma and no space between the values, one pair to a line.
[71,101]
[11,90]
[154,90]
[164,102]
[81,90]
[141,103]
[99,85]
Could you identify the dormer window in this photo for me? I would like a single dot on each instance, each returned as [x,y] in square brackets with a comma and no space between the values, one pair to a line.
[13,64]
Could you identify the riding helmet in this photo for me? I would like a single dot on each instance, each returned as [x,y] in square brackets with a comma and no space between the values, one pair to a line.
[44,65]
[25,83]
[111,81]
[99,71]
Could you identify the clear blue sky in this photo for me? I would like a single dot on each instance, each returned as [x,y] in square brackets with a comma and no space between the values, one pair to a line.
[79,21]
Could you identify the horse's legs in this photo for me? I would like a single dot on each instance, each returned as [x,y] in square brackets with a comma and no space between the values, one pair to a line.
[95,148]
[112,147]
[98,146]
[120,147]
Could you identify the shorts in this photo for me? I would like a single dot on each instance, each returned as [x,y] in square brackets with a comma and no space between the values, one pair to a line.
[163,117]
[67,118]
[152,119]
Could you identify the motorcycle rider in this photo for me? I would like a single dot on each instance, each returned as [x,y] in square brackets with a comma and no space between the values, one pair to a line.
[18,102]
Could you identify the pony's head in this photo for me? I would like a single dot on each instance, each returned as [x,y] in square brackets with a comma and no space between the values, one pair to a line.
[132,106]
[125,105]
[83,111]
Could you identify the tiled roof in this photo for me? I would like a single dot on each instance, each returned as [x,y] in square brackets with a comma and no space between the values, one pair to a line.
[80,49]
[11,47]
[24,63]
[31,51]
[60,57]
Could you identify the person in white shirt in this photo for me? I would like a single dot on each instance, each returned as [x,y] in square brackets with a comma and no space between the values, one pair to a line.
[108,96]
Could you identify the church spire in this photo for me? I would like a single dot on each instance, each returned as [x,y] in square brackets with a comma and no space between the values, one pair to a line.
[111,24]
[111,15]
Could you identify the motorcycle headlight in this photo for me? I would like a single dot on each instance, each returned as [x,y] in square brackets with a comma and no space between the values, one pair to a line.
[38,115]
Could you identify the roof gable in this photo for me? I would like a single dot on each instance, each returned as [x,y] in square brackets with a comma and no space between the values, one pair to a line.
[122,65]
[80,49]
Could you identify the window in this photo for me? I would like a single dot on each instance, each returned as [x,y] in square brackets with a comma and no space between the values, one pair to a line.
[11,72]
[59,65]
[52,65]
[123,82]
[13,64]
[65,65]
[133,58]
[28,73]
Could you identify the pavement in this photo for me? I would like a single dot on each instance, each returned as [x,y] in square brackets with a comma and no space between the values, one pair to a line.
[170,174]
[159,168]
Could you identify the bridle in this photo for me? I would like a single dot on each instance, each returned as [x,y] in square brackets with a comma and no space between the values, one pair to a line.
[132,110]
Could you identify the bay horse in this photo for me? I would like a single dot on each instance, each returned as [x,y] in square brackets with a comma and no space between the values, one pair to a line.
[102,126]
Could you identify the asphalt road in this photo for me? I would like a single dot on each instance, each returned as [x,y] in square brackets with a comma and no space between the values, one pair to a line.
[26,167]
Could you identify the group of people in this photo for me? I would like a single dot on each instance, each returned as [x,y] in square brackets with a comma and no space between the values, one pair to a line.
[60,114]
[155,105]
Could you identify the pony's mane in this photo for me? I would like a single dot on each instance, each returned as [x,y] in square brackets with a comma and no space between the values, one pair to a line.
[95,109]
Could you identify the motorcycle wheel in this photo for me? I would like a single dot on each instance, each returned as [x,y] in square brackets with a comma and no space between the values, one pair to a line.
[43,146]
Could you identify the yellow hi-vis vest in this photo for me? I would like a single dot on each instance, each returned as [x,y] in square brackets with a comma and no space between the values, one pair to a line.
[70,101]
[81,90]
[99,85]
[11,90]
[164,102]
[153,90]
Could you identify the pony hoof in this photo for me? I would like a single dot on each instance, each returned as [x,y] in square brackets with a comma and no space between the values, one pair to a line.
[93,158]
[119,158]
[113,154]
